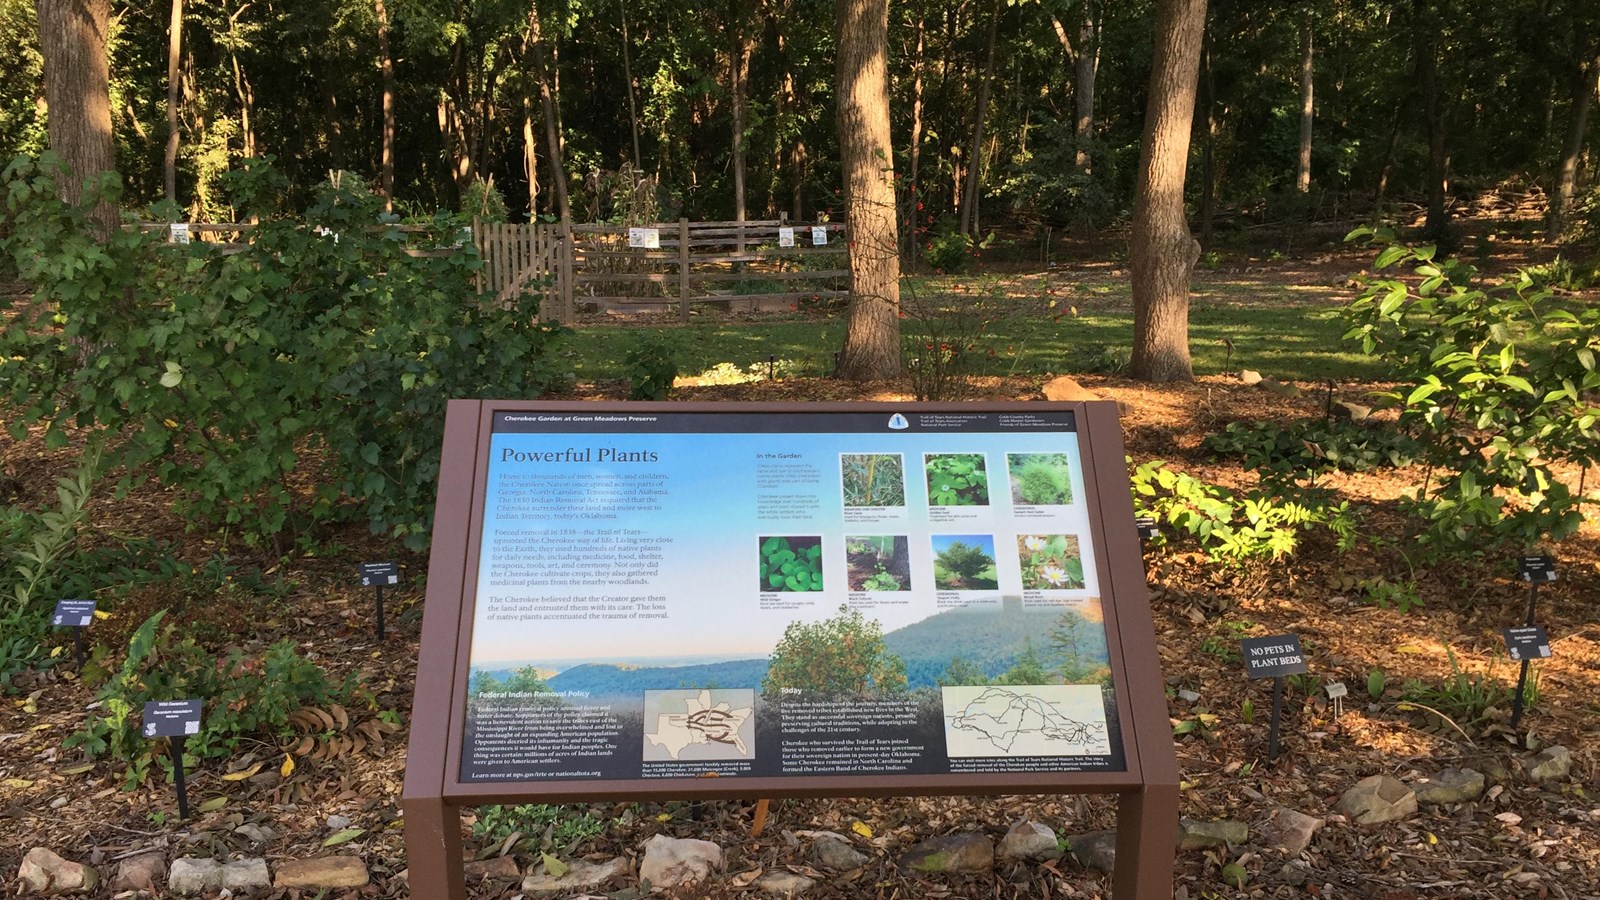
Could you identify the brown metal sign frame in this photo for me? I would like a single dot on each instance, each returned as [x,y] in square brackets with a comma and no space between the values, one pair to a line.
[434,794]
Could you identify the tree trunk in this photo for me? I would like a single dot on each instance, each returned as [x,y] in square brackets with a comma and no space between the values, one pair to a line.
[530,156]
[1437,227]
[241,87]
[1302,173]
[914,204]
[174,56]
[1085,67]
[1208,147]
[533,43]
[386,67]
[1583,89]
[866,154]
[627,73]
[1163,252]
[738,72]
[77,91]
[969,196]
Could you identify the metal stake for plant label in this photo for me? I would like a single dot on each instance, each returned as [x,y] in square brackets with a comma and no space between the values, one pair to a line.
[1277,713]
[378,602]
[1522,676]
[175,745]
[77,643]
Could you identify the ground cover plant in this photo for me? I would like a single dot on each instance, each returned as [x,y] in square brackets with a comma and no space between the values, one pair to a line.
[1040,479]
[791,563]
[880,562]
[1050,561]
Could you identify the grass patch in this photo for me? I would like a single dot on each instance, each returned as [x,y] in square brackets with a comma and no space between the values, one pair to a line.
[1282,334]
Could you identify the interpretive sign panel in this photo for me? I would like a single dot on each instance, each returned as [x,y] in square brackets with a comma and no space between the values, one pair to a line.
[664,595]
[799,600]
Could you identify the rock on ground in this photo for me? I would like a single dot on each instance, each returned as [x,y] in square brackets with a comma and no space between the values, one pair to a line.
[1290,831]
[783,883]
[1097,849]
[1451,786]
[246,875]
[499,868]
[833,851]
[669,862]
[144,872]
[1552,764]
[1377,799]
[1031,841]
[951,853]
[580,877]
[1064,388]
[323,873]
[194,876]
[46,873]
[1194,834]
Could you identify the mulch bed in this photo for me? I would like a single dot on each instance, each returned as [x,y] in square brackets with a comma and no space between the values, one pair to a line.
[1523,841]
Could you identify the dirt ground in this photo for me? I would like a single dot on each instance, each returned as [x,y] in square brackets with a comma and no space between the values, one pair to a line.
[1521,840]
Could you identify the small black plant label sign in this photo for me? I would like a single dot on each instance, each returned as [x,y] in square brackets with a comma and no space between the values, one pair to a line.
[1529,642]
[73,613]
[171,718]
[1536,569]
[1336,690]
[1147,527]
[374,574]
[1273,656]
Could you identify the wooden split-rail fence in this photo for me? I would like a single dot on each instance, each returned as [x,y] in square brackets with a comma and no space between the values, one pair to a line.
[668,267]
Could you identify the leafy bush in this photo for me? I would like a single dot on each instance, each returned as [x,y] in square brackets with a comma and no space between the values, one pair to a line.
[247,695]
[1040,479]
[651,369]
[944,339]
[1303,450]
[965,560]
[1502,381]
[950,251]
[1229,528]
[836,657]
[553,827]
[336,337]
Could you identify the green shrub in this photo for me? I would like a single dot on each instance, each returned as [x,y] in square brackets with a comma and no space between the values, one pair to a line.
[1301,451]
[1501,382]
[247,696]
[1229,528]
[328,338]
[652,367]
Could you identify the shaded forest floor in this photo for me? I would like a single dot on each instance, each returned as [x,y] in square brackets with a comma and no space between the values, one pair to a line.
[1521,840]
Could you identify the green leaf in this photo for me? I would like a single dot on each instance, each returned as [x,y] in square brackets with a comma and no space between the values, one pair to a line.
[1390,255]
[553,867]
[1518,382]
[214,804]
[339,837]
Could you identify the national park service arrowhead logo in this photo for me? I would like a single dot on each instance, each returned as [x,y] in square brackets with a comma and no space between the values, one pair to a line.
[898,422]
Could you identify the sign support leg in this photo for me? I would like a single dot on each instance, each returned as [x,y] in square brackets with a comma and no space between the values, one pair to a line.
[1146,843]
[77,642]
[1522,678]
[378,603]
[175,745]
[1277,712]
[433,849]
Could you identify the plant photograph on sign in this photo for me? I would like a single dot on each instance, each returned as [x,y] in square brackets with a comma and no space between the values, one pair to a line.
[964,562]
[879,562]
[790,563]
[1040,479]
[957,479]
[1050,562]
[873,479]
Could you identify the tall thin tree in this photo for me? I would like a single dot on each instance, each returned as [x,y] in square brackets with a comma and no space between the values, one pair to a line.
[1302,172]
[866,153]
[1163,250]
[174,94]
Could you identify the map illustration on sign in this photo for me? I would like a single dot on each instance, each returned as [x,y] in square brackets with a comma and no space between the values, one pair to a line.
[705,724]
[1025,720]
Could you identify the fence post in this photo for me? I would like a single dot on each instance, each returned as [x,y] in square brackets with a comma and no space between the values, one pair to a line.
[566,271]
[477,239]
[683,271]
